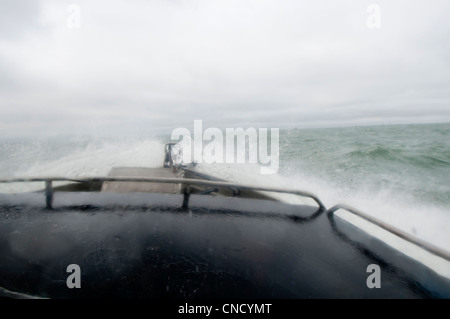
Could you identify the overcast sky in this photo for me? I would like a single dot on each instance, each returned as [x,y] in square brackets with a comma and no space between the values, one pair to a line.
[126,65]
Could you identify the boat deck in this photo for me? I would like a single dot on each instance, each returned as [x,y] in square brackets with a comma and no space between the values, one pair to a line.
[127,187]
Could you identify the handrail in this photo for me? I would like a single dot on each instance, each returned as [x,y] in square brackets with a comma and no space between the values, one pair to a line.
[412,239]
[186,181]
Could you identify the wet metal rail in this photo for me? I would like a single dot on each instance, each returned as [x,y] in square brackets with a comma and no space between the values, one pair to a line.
[184,181]
[49,192]
[416,241]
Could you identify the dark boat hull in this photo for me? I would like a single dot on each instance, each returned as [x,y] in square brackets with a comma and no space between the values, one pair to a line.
[145,246]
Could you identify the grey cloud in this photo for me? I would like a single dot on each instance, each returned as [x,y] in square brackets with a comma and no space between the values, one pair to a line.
[19,18]
[274,63]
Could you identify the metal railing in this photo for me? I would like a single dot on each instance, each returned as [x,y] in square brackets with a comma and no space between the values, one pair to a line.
[184,181]
[423,244]
[49,193]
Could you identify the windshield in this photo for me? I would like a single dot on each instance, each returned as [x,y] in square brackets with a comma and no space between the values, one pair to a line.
[349,102]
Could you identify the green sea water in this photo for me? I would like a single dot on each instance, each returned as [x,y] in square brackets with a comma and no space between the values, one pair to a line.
[410,161]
